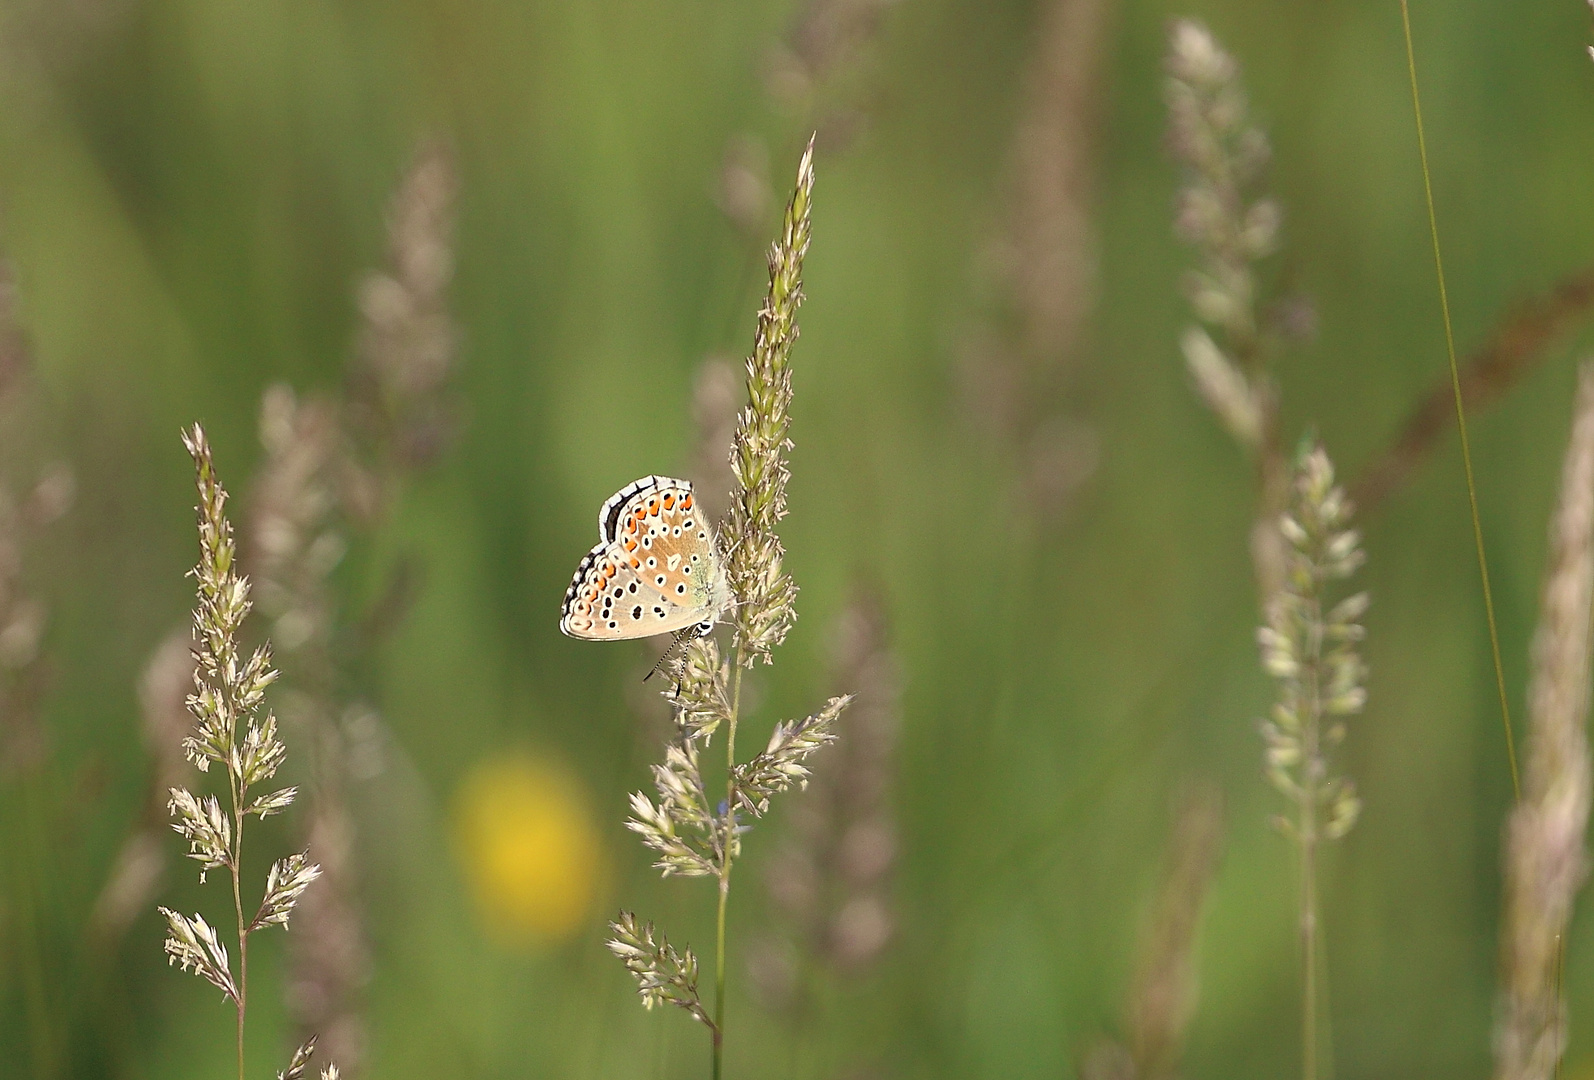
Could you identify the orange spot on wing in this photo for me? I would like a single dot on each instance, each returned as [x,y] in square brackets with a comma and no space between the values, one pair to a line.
[686,502]
[669,502]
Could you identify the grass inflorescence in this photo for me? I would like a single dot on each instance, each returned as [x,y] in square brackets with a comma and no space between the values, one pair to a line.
[829,878]
[693,833]
[1545,862]
[1301,539]
[230,732]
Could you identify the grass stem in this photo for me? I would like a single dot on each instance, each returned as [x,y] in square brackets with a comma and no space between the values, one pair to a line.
[725,865]
[1461,412]
[1311,738]
[238,909]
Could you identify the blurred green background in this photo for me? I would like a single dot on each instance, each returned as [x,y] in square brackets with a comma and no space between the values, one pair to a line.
[189,192]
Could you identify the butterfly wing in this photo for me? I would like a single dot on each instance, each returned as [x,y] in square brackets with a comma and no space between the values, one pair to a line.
[609,515]
[655,571]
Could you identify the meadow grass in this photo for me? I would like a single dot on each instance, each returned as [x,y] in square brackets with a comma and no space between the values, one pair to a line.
[392,412]
[693,836]
[229,693]
[1309,647]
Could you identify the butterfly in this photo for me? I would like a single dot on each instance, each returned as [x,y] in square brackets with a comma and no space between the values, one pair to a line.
[656,569]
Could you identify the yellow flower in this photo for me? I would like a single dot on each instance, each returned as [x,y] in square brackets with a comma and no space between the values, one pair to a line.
[529,849]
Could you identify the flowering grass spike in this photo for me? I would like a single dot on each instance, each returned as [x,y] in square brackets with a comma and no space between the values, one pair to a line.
[1233,226]
[1545,860]
[1311,652]
[229,691]
[1313,655]
[694,834]
[765,594]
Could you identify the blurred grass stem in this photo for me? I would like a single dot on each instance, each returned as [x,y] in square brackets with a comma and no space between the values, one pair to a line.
[1516,347]
[1312,653]
[1461,411]
[41,1028]
[1545,861]
[1307,824]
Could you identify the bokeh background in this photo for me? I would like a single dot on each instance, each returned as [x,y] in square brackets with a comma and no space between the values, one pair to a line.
[191,192]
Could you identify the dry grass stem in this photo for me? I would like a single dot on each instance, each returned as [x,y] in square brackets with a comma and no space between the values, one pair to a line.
[825,35]
[30,500]
[1310,648]
[741,188]
[329,955]
[297,539]
[24,668]
[817,74]
[294,540]
[140,864]
[16,355]
[1053,238]
[829,879]
[409,347]
[1545,861]
[1233,226]
[1162,997]
[46,494]
[1043,263]
[1301,542]
[332,467]
[1517,346]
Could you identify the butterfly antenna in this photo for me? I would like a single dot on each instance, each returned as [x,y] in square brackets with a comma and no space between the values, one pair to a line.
[679,638]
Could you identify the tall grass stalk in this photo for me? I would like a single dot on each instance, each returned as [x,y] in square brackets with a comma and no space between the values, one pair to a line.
[693,837]
[1460,401]
[139,868]
[829,877]
[333,470]
[1233,227]
[1521,342]
[1309,647]
[1163,992]
[1301,541]
[1039,268]
[1544,858]
[230,731]
[29,879]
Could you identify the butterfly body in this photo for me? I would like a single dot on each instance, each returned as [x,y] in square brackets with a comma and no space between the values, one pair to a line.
[655,569]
